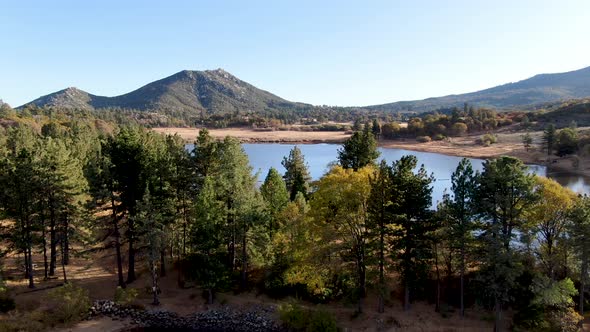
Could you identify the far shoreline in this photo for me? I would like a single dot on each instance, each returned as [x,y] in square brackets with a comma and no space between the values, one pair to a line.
[509,144]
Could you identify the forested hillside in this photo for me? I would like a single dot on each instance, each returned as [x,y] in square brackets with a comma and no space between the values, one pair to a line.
[504,240]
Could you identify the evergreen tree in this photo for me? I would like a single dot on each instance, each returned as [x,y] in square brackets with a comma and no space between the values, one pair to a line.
[549,138]
[376,129]
[412,218]
[579,232]
[358,151]
[274,192]
[460,216]
[152,224]
[527,141]
[504,193]
[380,204]
[296,175]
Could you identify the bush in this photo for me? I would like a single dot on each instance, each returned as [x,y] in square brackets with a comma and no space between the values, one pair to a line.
[295,318]
[439,137]
[487,139]
[423,139]
[125,296]
[322,321]
[69,303]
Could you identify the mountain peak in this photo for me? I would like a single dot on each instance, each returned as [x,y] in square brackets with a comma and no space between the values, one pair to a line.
[213,91]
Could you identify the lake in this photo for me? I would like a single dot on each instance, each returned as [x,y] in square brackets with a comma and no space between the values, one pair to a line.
[320,156]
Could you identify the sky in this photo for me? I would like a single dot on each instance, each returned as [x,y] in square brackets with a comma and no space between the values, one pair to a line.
[345,53]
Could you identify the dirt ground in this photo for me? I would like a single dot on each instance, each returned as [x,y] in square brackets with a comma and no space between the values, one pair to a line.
[97,274]
[249,135]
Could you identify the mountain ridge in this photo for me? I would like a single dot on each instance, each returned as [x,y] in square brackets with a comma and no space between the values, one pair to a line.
[217,91]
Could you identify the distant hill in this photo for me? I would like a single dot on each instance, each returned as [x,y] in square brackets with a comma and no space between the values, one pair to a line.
[218,92]
[213,91]
[535,90]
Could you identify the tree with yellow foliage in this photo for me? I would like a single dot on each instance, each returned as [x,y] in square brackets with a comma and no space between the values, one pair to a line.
[340,208]
[547,219]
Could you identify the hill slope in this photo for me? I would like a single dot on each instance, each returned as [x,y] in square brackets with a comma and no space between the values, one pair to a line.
[217,91]
[213,91]
[537,89]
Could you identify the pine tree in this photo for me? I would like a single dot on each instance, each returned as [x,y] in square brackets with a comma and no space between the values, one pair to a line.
[380,204]
[579,231]
[274,192]
[412,236]
[461,217]
[296,175]
[152,225]
[504,192]
[549,138]
[358,151]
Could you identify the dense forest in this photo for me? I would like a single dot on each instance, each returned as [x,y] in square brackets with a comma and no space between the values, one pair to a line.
[73,183]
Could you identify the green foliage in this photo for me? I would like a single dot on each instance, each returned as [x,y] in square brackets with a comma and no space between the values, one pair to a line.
[488,139]
[275,194]
[549,138]
[554,294]
[296,175]
[125,296]
[69,303]
[566,142]
[358,151]
[296,318]
[527,141]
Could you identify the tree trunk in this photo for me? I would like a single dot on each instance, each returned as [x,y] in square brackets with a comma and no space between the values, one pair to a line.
[63,260]
[45,262]
[437,307]
[118,249]
[462,277]
[26,252]
[381,307]
[583,283]
[131,269]
[30,249]
[66,241]
[163,262]
[362,281]
[406,296]
[209,296]
[154,283]
[52,242]
[498,316]
[244,261]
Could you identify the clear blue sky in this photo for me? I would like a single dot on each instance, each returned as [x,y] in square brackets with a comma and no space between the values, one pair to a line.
[321,52]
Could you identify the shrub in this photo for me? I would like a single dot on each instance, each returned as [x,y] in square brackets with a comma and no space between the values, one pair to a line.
[69,303]
[487,139]
[125,296]
[423,139]
[323,321]
[295,318]
[439,137]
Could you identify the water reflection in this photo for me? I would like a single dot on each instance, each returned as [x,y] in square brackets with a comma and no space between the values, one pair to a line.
[320,156]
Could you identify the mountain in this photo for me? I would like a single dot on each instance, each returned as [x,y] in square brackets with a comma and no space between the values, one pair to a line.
[213,91]
[535,90]
[217,91]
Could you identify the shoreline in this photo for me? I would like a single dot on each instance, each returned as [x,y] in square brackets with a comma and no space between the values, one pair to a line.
[509,144]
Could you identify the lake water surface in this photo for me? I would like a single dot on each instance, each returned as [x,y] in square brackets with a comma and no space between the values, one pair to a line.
[320,156]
